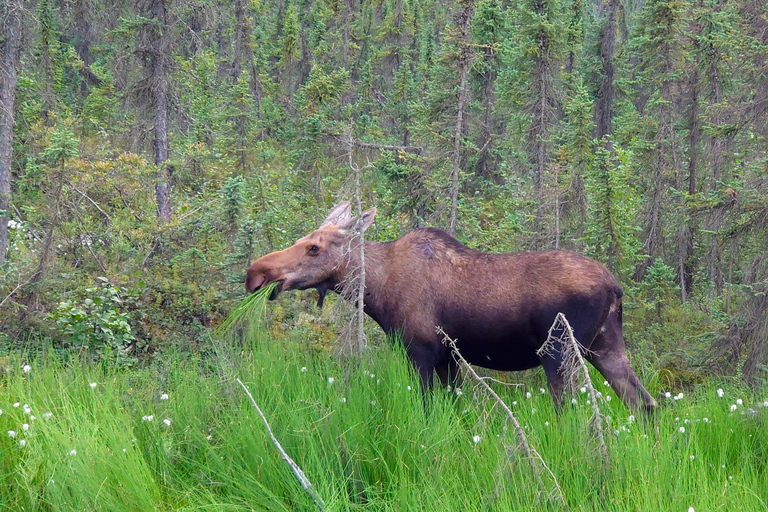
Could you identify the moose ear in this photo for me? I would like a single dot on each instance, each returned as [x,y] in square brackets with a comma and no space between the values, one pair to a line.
[362,222]
[339,214]
[366,219]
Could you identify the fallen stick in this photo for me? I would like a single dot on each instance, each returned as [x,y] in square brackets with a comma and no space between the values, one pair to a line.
[531,454]
[305,483]
[573,364]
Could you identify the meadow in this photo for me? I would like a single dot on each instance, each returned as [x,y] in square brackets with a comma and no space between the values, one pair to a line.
[180,434]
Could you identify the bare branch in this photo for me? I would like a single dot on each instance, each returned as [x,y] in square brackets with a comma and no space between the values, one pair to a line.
[94,203]
[305,483]
[531,454]
[573,364]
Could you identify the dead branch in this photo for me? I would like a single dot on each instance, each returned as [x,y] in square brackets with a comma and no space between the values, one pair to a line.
[530,453]
[418,150]
[573,364]
[94,203]
[305,483]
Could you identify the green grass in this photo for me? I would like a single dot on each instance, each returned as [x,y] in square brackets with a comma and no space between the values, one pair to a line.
[366,440]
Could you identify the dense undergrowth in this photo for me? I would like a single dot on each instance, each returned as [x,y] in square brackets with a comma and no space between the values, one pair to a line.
[181,435]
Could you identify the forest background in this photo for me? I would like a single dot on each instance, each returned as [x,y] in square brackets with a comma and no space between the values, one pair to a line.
[149,150]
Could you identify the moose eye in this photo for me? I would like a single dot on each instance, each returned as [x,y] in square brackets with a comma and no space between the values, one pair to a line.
[313,250]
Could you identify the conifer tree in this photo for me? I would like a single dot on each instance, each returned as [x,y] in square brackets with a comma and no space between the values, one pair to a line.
[11,16]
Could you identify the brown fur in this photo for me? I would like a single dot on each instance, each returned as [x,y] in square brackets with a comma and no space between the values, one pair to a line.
[498,307]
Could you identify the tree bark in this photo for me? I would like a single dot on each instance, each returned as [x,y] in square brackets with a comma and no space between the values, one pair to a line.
[540,134]
[465,56]
[687,238]
[160,62]
[12,14]
[604,102]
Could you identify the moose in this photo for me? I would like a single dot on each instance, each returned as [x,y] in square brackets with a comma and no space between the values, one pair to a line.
[497,307]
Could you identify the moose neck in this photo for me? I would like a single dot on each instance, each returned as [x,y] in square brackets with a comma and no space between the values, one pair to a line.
[376,271]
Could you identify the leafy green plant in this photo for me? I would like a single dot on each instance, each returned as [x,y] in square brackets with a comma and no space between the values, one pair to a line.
[97,322]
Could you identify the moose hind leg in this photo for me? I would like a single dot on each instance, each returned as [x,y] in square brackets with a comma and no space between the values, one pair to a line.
[608,354]
[448,372]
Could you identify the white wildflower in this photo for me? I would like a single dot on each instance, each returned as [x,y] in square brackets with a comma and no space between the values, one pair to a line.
[16,404]
[528,394]
[167,422]
[705,420]
[47,415]
[690,509]
[692,457]
[607,398]
[164,396]
[668,394]
[408,388]
[542,391]
[765,404]
[574,401]
[631,418]
[25,427]
[330,380]
[734,407]
[73,452]
[343,400]
[583,389]
[459,392]
[93,385]
[12,434]
[720,392]
[303,369]
[22,443]
[739,401]
[26,368]
[27,409]
[682,430]
[476,439]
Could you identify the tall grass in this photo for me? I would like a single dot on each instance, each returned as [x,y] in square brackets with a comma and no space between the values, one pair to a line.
[364,436]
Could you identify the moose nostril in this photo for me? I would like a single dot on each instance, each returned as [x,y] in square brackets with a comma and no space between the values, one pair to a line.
[253,283]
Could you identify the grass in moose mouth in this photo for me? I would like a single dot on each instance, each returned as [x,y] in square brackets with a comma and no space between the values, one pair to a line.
[250,311]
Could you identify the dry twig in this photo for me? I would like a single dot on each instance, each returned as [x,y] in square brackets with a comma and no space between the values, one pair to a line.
[573,364]
[530,453]
[305,483]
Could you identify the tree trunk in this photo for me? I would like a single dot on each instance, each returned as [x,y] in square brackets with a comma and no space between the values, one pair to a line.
[160,90]
[465,56]
[540,133]
[486,140]
[604,102]
[12,14]
[687,240]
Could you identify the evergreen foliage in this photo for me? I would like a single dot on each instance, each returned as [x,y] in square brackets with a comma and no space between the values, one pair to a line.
[163,145]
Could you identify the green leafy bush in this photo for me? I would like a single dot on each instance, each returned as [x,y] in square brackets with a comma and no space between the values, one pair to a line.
[97,322]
